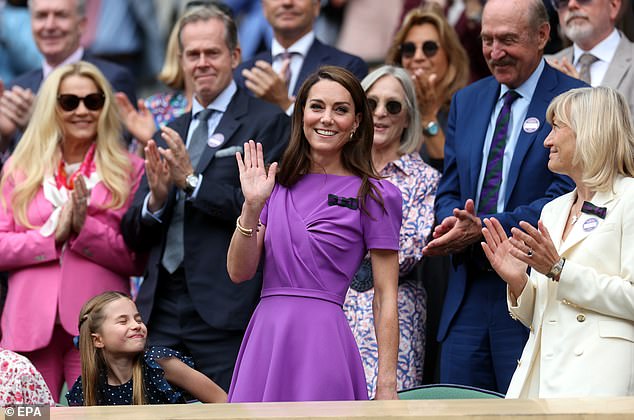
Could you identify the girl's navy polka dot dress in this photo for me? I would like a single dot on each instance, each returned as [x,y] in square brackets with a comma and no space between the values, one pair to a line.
[157,389]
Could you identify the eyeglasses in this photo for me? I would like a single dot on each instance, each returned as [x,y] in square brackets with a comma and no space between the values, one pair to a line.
[93,102]
[563,4]
[430,48]
[392,107]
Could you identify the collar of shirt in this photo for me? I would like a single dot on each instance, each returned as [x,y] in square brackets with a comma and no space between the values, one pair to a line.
[301,46]
[604,50]
[73,58]
[404,163]
[220,103]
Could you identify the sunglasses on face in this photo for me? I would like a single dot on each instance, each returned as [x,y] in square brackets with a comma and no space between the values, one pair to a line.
[563,4]
[429,48]
[392,107]
[93,102]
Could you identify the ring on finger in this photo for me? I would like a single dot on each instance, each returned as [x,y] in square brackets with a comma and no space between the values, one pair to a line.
[529,253]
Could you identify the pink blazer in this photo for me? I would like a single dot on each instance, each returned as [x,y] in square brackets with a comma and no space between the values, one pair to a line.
[45,280]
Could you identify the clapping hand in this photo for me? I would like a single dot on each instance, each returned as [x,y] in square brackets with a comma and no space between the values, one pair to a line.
[500,252]
[262,80]
[257,183]
[158,176]
[140,123]
[79,199]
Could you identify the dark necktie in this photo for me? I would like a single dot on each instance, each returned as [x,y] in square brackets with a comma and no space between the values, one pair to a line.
[585,61]
[493,173]
[174,249]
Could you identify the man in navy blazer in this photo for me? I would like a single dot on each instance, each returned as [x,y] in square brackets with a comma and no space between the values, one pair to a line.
[194,306]
[277,75]
[480,342]
[57,27]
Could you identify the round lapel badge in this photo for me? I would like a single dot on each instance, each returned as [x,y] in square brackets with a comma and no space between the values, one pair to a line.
[215,140]
[531,125]
[590,224]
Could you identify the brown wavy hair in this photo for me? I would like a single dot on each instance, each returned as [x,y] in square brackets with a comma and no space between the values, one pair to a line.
[356,155]
[457,75]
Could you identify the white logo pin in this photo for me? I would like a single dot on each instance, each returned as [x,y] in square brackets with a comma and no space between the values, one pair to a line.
[531,125]
[215,140]
[590,224]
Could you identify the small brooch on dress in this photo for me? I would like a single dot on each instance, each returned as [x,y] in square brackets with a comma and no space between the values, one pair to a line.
[349,202]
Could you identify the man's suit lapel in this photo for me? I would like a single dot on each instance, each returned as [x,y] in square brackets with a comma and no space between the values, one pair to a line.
[536,109]
[315,56]
[619,66]
[487,95]
[227,126]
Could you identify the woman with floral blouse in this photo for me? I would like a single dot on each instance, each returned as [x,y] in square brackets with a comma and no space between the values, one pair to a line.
[397,139]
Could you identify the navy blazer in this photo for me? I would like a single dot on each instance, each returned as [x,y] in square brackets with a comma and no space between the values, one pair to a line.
[319,54]
[210,218]
[530,183]
[119,77]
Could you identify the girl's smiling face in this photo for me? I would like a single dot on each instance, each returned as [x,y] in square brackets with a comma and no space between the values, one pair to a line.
[123,330]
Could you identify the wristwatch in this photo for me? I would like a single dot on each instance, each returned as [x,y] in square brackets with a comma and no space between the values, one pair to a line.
[555,271]
[191,182]
[431,128]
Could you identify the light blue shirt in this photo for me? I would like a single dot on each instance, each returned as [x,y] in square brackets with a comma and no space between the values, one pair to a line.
[516,123]
[299,50]
[219,105]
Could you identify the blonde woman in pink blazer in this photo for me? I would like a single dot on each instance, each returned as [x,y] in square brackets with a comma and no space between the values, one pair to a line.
[64,191]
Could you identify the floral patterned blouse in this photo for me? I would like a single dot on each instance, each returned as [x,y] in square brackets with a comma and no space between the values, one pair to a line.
[20,382]
[166,106]
[418,183]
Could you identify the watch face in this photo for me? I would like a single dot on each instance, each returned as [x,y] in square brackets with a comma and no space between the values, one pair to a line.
[431,129]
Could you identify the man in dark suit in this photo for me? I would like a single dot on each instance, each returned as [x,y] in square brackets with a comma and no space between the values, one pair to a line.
[185,210]
[57,26]
[276,75]
[495,166]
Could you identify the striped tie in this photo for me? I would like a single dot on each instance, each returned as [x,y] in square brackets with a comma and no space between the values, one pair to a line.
[493,175]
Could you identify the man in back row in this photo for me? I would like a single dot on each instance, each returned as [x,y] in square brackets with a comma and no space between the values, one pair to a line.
[57,26]
[276,75]
[600,55]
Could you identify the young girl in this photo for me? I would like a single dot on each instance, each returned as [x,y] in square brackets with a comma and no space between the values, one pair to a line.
[117,369]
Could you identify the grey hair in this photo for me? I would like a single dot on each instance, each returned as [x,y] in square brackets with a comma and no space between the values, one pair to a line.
[206,13]
[81,6]
[412,135]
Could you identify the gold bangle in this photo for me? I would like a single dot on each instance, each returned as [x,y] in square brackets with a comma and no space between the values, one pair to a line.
[248,232]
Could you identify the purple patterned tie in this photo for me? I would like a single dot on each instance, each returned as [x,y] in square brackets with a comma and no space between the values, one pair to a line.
[493,175]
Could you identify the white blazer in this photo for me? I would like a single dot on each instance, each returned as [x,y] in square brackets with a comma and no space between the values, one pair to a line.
[581,340]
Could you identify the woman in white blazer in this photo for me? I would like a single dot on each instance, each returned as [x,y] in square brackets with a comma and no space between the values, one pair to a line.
[578,300]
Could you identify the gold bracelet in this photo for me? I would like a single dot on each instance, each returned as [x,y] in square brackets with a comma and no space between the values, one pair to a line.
[246,231]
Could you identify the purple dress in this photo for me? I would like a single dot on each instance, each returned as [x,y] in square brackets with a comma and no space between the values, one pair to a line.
[299,346]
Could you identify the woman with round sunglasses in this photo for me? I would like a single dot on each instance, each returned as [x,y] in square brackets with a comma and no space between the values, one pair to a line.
[429,49]
[392,99]
[64,191]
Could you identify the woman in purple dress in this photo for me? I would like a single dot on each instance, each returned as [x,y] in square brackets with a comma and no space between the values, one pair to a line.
[311,229]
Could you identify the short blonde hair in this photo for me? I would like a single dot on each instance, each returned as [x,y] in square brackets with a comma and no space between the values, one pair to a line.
[601,121]
[412,136]
[38,153]
[172,72]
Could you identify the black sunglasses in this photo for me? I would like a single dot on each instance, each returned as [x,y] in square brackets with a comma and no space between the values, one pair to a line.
[392,107]
[93,102]
[430,48]
[563,4]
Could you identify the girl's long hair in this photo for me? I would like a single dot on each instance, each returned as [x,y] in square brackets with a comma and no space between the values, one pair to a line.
[356,155]
[93,363]
[38,154]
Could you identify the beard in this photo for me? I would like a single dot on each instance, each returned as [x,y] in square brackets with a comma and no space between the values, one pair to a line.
[578,30]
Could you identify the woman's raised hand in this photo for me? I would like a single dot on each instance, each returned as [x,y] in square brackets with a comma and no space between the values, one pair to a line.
[257,183]
[499,251]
